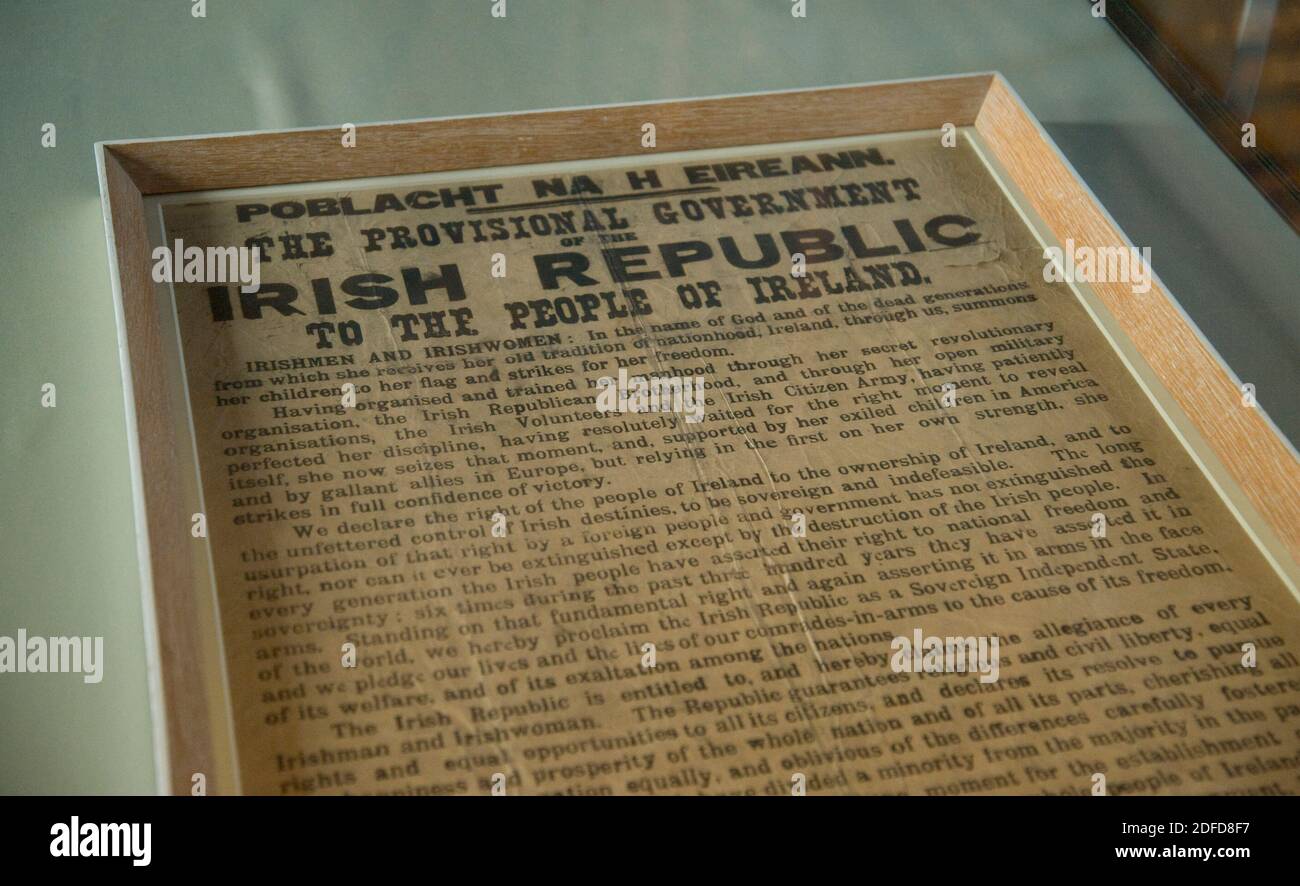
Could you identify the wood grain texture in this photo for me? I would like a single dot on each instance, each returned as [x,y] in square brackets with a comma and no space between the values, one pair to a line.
[1255,457]
[239,161]
[145,168]
[1250,449]
[183,683]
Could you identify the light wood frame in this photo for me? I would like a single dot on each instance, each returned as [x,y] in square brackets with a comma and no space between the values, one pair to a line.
[1255,456]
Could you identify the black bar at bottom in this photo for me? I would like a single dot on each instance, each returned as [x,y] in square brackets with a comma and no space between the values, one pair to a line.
[665,837]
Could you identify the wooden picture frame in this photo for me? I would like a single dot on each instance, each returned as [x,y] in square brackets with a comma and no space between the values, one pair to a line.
[1255,457]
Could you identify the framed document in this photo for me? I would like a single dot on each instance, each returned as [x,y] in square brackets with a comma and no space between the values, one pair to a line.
[828,441]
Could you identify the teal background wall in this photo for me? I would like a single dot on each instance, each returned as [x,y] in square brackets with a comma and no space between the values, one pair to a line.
[104,69]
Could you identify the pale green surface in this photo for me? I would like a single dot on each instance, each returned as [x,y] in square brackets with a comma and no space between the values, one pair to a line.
[106,69]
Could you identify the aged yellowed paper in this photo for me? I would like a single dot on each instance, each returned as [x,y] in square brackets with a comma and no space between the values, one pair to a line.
[778,472]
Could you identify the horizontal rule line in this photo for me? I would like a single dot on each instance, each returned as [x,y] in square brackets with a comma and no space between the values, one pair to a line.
[613,198]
